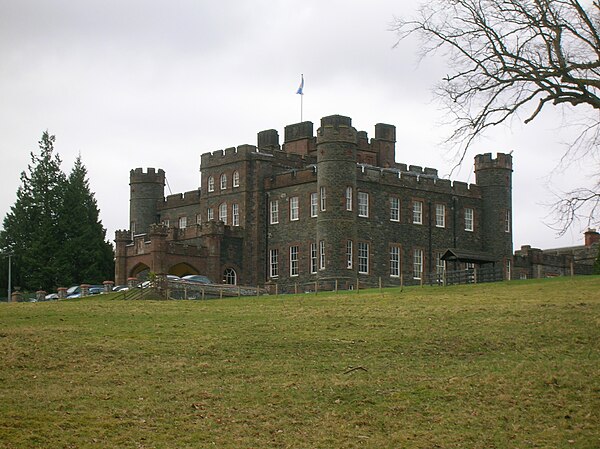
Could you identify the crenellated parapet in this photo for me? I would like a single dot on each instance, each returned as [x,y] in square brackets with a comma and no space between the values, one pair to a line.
[189,198]
[227,156]
[486,161]
[138,175]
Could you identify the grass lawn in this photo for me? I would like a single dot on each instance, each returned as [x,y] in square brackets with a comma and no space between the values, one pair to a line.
[507,365]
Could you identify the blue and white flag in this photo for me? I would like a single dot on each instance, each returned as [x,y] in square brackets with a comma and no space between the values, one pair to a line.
[301,88]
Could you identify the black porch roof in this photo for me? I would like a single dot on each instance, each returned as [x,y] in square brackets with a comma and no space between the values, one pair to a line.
[463,255]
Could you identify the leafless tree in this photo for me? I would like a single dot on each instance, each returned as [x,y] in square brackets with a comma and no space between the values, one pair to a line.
[512,58]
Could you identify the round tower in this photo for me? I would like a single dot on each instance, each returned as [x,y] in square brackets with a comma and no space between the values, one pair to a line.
[494,178]
[336,174]
[145,191]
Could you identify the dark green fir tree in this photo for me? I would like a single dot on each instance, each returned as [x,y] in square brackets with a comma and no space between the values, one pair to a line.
[86,255]
[31,229]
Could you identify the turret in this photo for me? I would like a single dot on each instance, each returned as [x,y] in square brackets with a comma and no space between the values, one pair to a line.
[145,191]
[494,178]
[336,174]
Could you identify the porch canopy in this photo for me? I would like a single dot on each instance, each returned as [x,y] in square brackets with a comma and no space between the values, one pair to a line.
[463,255]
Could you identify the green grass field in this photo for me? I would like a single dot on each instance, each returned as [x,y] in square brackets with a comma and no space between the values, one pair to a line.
[507,365]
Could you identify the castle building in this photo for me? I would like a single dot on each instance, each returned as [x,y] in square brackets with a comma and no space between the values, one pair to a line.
[325,211]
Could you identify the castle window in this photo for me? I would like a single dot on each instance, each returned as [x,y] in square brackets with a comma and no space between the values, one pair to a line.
[235,214]
[230,276]
[394,261]
[293,261]
[274,212]
[468,219]
[440,264]
[323,198]
[417,263]
[294,213]
[314,204]
[198,219]
[236,178]
[313,258]
[440,215]
[349,198]
[363,257]
[211,184]
[418,212]
[349,254]
[274,263]
[223,181]
[182,222]
[507,221]
[363,204]
[394,209]
[322,255]
[210,215]
[508,270]
[223,213]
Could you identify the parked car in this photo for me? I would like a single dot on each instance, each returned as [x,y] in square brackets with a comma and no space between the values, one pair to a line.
[197,278]
[120,288]
[52,296]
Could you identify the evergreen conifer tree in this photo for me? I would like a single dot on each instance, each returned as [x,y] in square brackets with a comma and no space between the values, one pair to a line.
[86,254]
[30,230]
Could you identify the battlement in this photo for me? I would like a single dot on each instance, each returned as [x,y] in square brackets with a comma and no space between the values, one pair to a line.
[485,161]
[181,199]
[290,178]
[151,176]
[268,139]
[417,180]
[384,131]
[336,128]
[122,236]
[229,155]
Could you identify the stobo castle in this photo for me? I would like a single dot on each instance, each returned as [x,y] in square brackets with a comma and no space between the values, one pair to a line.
[319,212]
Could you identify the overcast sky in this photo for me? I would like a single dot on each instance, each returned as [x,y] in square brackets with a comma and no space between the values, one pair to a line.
[153,83]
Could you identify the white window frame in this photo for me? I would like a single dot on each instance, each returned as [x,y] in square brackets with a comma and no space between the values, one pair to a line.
[469,219]
[314,204]
[294,208]
[198,219]
[349,254]
[294,270]
[223,181]
[394,208]
[349,198]
[182,222]
[440,264]
[230,276]
[223,212]
[507,221]
[417,212]
[363,257]
[321,254]
[363,204]
[323,195]
[313,258]
[235,214]
[211,183]
[274,212]
[235,179]
[210,214]
[440,215]
[417,263]
[395,261]
[274,263]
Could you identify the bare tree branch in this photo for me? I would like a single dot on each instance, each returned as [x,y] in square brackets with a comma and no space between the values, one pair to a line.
[509,57]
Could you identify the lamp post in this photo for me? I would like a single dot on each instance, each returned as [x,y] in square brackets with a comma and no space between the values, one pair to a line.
[9,255]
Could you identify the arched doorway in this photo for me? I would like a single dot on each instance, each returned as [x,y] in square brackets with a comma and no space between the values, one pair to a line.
[140,271]
[182,269]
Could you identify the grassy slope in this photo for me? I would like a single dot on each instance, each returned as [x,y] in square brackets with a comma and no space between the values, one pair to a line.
[488,366]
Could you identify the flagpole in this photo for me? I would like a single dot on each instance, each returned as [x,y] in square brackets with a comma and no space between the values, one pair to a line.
[301,92]
[301,105]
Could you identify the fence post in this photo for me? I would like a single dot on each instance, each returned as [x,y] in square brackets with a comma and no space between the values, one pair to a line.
[357,286]
[380,284]
[336,285]
[295,288]
[316,287]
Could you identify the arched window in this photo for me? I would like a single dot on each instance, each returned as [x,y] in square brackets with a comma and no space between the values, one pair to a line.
[223,213]
[211,184]
[230,276]
[236,178]
[223,181]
